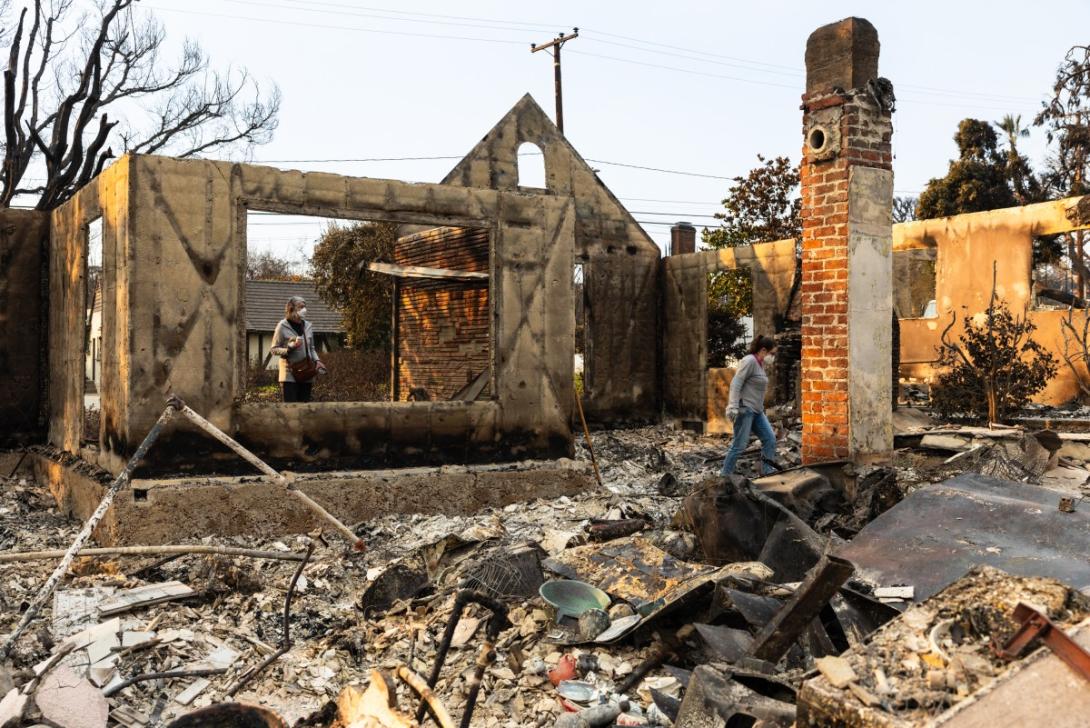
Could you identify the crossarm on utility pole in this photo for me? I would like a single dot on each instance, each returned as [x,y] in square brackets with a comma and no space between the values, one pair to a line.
[556,44]
[356,541]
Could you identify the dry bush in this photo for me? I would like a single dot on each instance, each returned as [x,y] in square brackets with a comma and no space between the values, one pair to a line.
[354,376]
[993,369]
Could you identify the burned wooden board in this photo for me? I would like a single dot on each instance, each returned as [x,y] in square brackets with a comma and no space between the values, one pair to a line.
[939,532]
[143,596]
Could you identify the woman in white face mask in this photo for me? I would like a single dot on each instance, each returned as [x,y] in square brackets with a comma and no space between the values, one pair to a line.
[293,342]
[746,406]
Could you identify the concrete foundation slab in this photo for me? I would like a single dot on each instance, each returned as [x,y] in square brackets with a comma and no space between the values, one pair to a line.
[181,509]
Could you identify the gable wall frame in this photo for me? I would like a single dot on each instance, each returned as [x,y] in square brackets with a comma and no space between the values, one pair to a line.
[620,262]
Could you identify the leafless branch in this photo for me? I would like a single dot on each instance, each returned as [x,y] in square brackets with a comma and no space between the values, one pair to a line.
[950,344]
[65,121]
[1072,335]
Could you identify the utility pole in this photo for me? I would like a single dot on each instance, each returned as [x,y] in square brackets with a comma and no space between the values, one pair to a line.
[556,44]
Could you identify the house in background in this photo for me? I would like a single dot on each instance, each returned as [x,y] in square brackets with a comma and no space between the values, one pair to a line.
[265,308]
[93,356]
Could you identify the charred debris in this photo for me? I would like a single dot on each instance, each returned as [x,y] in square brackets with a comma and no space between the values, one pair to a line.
[935,592]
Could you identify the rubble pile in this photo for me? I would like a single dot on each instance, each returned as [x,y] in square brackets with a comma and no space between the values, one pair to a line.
[669,597]
[938,653]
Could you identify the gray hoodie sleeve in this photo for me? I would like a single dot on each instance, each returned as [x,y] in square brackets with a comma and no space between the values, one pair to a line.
[745,369]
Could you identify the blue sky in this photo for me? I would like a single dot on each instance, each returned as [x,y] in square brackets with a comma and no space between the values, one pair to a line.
[697,87]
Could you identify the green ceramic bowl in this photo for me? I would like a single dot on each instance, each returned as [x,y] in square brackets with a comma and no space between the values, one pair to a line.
[571,598]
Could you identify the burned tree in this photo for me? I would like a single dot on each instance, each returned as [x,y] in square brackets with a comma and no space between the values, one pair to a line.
[71,80]
[994,367]
[1066,119]
[1076,351]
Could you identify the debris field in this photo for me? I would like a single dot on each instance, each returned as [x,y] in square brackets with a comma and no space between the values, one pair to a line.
[722,597]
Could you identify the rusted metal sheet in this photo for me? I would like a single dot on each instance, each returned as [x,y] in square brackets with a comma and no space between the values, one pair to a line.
[1038,626]
[629,568]
[939,532]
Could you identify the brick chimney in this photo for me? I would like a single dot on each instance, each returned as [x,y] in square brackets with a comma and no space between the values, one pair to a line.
[682,238]
[847,198]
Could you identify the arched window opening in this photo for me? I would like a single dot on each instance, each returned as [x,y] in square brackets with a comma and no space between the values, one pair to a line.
[531,166]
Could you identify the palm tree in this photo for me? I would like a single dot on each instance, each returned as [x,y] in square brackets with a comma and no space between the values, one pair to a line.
[1026,187]
[1011,125]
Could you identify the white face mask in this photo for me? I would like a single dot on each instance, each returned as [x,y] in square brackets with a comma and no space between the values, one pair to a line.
[302,312]
[769,359]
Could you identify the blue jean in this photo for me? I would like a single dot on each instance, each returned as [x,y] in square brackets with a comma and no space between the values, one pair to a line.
[749,421]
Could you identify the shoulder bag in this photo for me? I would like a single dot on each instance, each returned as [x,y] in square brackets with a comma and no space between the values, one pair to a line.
[305,370]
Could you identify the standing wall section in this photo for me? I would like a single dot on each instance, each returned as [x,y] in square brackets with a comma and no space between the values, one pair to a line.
[685,316]
[107,196]
[969,250]
[685,334]
[620,262]
[177,229]
[24,238]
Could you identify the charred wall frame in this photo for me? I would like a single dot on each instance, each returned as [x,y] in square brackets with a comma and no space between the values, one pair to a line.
[175,233]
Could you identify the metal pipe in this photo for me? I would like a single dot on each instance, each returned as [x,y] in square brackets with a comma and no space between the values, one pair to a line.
[88,527]
[485,658]
[586,437]
[495,624]
[356,541]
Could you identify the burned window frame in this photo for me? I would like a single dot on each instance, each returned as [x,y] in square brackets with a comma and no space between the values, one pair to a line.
[247,205]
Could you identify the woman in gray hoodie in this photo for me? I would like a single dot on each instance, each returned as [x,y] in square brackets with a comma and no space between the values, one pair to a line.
[293,341]
[746,406]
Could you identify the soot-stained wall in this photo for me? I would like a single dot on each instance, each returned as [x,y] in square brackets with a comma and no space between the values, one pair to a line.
[971,248]
[620,262]
[685,313]
[23,237]
[174,257]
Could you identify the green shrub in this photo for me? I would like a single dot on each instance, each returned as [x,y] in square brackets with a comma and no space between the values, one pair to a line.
[993,370]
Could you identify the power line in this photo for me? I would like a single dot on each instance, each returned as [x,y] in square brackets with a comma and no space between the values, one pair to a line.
[533,26]
[641,44]
[697,59]
[671,214]
[715,203]
[498,24]
[372,14]
[296,24]
[659,169]
[1001,101]
[997,106]
[749,64]
[406,159]
[690,50]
